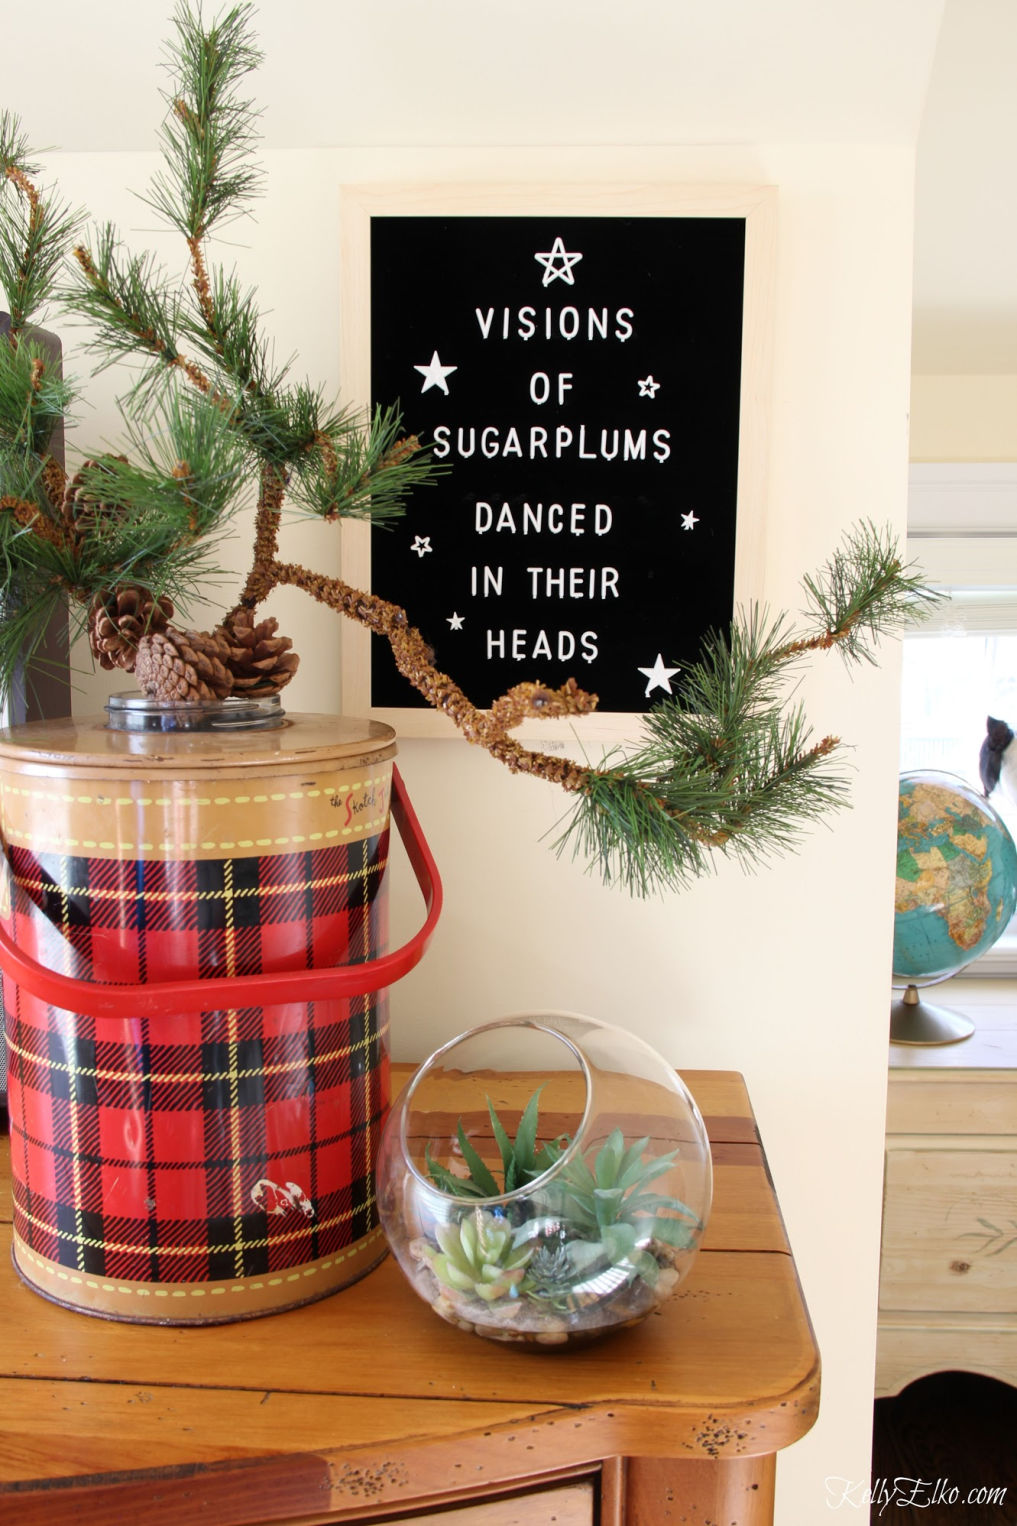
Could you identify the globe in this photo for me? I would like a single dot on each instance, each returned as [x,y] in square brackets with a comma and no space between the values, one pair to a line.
[956,886]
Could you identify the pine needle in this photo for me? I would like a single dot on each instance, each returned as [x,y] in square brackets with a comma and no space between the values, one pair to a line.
[864,593]
[728,767]
[35,228]
[209,129]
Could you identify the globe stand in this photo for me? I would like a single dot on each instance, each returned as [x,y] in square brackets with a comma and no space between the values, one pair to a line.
[912,1021]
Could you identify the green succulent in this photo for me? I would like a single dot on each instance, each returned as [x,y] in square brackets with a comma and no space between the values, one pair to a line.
[612,1199]
[597,1223]
[551,1272]
[479,1256]
[522,1159]
[588,1271]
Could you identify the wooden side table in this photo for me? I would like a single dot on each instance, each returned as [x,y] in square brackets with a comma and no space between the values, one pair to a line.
[365,1406]
[948,1267]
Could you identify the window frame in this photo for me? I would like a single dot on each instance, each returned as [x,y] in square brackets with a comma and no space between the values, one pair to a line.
[962,533]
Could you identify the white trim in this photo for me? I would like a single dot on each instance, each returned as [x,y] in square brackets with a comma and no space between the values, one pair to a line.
[971,609]
[962,535]
[959,498]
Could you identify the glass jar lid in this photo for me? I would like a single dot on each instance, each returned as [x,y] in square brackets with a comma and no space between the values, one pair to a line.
[140,712]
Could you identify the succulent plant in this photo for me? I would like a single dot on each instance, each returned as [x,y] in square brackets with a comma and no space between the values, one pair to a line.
[598,1227]
[551,1272]
[522,1159]
[612,1202]
[479,1256]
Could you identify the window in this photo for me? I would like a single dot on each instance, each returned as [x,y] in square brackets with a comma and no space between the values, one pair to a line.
[962,665]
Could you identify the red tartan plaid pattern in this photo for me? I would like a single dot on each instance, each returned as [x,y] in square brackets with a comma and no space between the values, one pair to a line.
[197,1146]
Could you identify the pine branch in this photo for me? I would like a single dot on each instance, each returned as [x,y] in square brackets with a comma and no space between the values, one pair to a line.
[154,520]
[33,398]
[662,818]
[24,627]
[181,570]
[188,463]
[35,231]
[863,593]
[15,150]
[209,130]
[728,769]
[351,470]
[131,308]
[338,467]
[226,335]
[34,566]
[341,471]
[207,137]
[279,427]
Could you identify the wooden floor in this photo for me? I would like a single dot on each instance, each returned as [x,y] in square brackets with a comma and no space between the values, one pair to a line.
[952,1430]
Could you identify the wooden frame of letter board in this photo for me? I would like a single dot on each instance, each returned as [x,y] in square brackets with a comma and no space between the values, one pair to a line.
[359,203]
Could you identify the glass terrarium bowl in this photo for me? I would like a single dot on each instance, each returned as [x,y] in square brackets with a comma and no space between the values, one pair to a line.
[544,1179]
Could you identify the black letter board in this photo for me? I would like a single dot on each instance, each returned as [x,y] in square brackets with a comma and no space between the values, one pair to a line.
[591,365]
[580,377]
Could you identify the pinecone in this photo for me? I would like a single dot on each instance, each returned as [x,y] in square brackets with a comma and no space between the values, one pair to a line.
[184,665]
[260,661]
[118,619]
[81,511]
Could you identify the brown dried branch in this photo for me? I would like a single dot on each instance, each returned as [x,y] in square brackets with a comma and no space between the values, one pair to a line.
[266,539]
[415,660]
[528,700]
[413,656]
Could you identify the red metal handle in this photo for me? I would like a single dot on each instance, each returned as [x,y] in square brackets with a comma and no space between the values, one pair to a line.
[163,998]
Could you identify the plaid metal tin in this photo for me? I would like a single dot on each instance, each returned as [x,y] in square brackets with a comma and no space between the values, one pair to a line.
[207,1165]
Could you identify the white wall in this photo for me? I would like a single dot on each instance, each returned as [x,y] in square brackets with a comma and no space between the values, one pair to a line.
[965,297]
[784,975]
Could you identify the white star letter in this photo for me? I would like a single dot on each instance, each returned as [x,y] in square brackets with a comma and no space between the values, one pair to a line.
[434,374]
[557,264]
[688,520]
[456,622]
[648,387]
[422,545]
[659,676]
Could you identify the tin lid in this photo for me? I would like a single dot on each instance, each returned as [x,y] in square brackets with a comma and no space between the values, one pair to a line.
[89,744]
